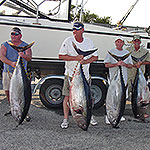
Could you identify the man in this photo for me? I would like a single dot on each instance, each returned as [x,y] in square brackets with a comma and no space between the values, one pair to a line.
[137,51]
[9,56]
[71,57]
[113,64]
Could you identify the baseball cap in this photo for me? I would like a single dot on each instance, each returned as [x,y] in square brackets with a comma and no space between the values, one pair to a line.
[119,37]
[16,30]
[78,25]
[136,37]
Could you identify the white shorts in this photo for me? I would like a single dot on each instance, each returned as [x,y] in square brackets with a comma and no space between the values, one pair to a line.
[6,80]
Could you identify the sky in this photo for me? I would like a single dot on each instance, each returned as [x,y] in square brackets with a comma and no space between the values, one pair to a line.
[116,9]
[139,16]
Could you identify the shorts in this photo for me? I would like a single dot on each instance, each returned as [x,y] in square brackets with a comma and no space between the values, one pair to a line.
[6,80]
[66,86]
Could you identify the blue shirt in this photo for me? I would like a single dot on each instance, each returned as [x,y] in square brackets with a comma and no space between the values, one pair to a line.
[12,55]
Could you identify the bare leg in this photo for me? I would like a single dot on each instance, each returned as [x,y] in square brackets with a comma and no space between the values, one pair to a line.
[66,107]
[7,95]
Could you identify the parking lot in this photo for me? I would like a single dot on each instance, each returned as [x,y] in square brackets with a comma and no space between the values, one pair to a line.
[43,132]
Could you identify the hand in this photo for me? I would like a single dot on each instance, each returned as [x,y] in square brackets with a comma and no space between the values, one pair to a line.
[121,63]
[13,64]
[79,57]
[21,54]
[138,64]
[82,61]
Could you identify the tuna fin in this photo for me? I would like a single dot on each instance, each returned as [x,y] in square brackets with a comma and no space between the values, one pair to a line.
[119,58]
[20,49]
[139,59]
[80,52]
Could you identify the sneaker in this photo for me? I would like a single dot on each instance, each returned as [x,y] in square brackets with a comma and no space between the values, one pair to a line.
[106,120]
[28,118]
[122,118]
[65,124]
[93,122]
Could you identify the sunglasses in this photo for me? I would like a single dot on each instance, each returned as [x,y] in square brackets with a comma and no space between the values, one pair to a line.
[15,34]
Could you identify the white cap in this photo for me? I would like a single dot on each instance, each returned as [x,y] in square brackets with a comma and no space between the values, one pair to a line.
[119,37]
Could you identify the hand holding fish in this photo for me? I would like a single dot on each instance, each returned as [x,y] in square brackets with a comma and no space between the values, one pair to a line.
[27,56]
[21,54]
[138,64]
[79,57]
[90,60]
[121,63]
[13,64]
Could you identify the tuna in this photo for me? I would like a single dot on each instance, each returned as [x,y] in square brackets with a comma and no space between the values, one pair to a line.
[140,98]
[116,95]
[20,89]
[80,94]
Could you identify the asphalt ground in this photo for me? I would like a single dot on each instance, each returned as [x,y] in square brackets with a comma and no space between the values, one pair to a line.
[43,132]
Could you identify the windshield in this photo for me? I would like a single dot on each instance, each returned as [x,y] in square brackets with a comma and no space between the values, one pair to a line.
[55,9]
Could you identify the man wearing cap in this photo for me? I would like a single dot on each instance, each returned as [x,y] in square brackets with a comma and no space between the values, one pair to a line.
[113,64]
[68,53]
[9,56]
[137,51]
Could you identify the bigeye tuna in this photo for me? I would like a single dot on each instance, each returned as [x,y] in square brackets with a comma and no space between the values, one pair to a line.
[20,88]
[80,94]
[140,98]
[116,95]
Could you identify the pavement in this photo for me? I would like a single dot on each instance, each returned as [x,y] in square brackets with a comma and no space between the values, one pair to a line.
[43,132]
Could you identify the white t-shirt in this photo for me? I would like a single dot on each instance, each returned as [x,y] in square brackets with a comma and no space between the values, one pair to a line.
[110,59]
[68,49]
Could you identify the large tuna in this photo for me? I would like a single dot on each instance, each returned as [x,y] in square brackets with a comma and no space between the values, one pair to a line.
[80,94]
[20,88]
[140,93]
[116,95]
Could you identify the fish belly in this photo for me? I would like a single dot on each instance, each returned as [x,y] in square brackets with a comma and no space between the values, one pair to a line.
[113,100]
[77,100]
[16,93]
[143,96]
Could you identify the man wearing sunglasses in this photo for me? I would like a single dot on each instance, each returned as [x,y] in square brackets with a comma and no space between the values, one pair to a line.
[9,55]
[68,53]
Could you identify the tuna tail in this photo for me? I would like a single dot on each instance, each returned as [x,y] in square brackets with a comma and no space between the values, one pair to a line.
[120,58]
[88,98]
[80,52]
[20,49]
[27,93]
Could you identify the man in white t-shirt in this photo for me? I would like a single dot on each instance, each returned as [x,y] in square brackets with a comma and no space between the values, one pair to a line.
[113,64]
[71,57]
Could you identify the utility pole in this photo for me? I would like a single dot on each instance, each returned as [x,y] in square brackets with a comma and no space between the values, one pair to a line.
[81,11]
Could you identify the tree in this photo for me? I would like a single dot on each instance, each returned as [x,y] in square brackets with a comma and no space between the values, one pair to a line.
[88,17]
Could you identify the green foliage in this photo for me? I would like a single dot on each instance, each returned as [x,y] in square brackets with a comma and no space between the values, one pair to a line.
[88,17]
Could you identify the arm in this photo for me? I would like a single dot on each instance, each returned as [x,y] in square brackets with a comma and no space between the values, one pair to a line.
[71,58]
[128,65]
[27,56]
[90,60]
[109,65]
[140,63]
[3,58]
[119,63]
[146,63]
